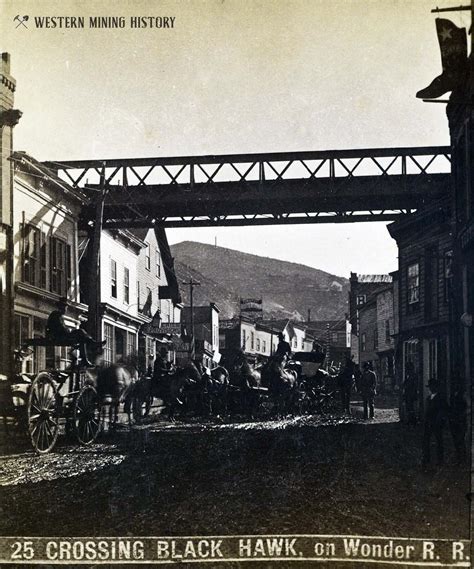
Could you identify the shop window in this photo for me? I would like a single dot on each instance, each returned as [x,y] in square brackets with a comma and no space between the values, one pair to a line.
[131,344]
[109,346]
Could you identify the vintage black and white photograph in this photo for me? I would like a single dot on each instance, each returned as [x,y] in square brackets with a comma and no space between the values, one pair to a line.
[236,282]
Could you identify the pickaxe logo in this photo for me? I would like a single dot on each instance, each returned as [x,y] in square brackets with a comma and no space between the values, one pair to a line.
[21,21]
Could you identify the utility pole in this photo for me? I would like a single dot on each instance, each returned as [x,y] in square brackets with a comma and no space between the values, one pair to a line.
[192,283]
[93,321]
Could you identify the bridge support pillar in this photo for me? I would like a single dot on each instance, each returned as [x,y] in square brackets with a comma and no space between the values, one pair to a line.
[9,117]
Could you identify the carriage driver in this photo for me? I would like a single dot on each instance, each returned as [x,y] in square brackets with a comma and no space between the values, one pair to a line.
[283,348]
[56,330]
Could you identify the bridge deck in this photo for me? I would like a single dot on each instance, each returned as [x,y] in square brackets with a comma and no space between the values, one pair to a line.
[251,189]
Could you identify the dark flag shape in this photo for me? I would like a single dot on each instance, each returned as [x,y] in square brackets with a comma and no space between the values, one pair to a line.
[453,47]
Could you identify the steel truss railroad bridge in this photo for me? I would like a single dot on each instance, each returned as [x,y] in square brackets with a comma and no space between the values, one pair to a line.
[260,189]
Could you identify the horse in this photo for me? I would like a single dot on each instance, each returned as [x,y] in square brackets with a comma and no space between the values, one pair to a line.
[115,384]
[245,384]
[282,382]
[217,388]
[185,389]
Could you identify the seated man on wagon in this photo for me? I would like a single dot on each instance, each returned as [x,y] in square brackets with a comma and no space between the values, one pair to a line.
[57,331]
[283,348]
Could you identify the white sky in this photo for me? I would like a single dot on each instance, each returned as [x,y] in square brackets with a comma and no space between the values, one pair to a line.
[234,76]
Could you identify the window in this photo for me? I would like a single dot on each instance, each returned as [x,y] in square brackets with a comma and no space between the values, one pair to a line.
[302,343]
[147,257]
[448,274]
[36,258]
[295,342]
[413,283]
[258,344]
[362,342]
[432,358]
[252,340]
[31,255]
[361,298]
[60,266]
[264,346]
[131,348]
[109,346]
[126,285]
[244,339]
[158,263]
[22,332]
[138,296]
[113,278]
[387,331]
[39,331]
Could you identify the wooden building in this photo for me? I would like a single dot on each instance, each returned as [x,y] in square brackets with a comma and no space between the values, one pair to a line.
[425,251]
[461,126]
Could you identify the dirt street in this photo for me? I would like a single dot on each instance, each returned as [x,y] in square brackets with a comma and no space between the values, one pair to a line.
[300,474]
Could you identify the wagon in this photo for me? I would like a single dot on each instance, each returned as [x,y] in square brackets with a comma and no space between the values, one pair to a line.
[55,397]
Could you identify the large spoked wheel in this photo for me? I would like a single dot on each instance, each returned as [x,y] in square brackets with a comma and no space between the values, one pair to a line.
[87,415]
[43,416]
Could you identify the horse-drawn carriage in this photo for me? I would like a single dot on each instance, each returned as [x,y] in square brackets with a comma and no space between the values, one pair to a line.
[40,403]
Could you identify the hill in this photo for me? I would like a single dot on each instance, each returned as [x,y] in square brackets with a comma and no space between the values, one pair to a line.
[288,289]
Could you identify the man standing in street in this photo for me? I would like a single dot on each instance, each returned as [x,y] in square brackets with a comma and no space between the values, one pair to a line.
[436,411]
[368,389]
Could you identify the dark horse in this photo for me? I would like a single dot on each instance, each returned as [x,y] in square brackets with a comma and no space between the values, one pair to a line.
[282,381]
[245,384]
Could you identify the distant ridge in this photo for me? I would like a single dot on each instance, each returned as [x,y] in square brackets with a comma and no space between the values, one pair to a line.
[288,289]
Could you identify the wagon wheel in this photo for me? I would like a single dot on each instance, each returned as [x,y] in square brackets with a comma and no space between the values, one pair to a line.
[43,416]
[86,415]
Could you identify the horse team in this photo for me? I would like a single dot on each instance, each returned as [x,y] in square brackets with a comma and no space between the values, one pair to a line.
[281,386]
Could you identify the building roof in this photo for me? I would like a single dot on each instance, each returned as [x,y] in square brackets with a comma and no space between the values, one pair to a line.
[374,278]
[166,258]
[38,169]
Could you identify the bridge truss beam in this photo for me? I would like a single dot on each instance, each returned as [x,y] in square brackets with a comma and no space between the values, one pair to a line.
[262,189]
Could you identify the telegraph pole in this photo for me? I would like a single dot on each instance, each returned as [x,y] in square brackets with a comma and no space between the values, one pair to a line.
[94,322]
[192,283]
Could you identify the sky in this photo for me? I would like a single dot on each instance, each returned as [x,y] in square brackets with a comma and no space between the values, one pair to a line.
[233,76]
